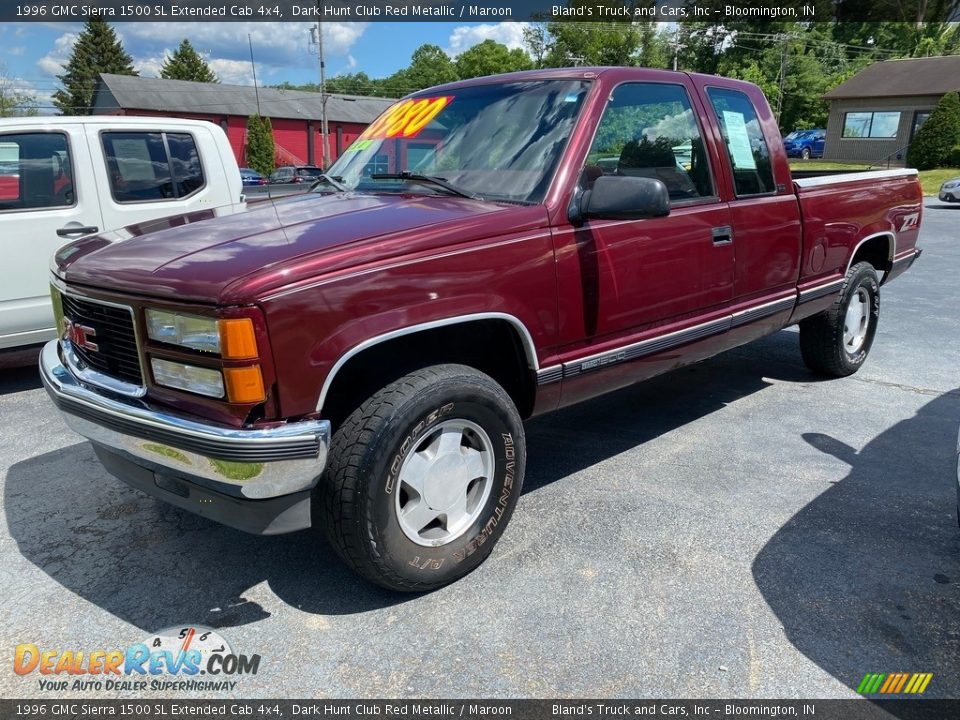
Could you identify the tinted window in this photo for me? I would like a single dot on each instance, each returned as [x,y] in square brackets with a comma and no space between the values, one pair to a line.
[141,169]
[744,142]
[35,171]
[185,161]
[649,130]
[310,172]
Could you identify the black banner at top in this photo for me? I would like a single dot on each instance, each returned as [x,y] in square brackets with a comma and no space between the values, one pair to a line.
[714,11]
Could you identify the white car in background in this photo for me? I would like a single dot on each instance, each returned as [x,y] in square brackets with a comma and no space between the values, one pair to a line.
[65,177]
[950,190]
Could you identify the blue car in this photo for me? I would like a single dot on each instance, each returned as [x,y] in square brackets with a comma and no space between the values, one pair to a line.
[252,177]
[805,144]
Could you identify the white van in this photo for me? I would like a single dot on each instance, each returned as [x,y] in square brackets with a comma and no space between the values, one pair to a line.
[65,177]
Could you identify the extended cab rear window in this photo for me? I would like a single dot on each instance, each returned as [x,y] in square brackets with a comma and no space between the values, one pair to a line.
[35,171]
[152,166]
[744,142]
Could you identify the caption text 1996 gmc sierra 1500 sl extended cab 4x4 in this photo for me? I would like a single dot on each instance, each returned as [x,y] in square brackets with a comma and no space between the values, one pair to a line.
[361,358]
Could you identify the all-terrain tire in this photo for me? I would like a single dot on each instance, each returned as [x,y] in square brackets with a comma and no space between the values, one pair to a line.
[361,493]
[824,344]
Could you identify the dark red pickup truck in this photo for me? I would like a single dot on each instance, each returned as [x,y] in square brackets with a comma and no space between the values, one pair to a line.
[361,358]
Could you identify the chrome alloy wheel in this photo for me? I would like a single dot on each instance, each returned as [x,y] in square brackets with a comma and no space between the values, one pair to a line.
[857,321]
[444,482]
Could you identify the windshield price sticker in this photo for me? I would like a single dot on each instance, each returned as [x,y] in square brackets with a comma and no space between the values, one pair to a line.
[406,119]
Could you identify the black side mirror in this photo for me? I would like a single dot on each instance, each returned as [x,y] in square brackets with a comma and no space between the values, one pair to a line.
[621,197]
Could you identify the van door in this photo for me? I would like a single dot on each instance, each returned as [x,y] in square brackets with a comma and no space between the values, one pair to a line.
[48,197]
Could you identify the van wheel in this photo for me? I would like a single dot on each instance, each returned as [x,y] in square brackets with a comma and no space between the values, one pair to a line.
[423,477]
[836,342]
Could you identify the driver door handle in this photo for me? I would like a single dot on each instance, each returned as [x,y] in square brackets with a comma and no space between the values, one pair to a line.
[71,231]
[722,235]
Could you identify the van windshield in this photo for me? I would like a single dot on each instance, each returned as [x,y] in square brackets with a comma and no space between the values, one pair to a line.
[499,142]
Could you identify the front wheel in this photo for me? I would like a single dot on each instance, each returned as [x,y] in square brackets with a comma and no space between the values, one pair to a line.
[837,341]
[805,153]
[423,478]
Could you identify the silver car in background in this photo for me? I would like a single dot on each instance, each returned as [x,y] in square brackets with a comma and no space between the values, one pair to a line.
[950,190]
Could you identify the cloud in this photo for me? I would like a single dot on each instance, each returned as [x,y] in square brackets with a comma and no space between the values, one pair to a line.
[466,36]
[52,63]
[275,45]
[16,51]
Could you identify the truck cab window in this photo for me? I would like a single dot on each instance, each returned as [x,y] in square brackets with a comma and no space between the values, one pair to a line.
[649,130]
[744,142]
[35,172]
[150,166]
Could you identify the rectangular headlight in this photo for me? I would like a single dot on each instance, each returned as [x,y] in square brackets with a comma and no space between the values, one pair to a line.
[191,331]
[202,381]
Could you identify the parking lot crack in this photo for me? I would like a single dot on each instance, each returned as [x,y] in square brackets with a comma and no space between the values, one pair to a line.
[911,389]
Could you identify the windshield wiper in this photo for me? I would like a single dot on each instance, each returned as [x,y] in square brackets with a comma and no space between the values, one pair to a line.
[426,180]
[333,180]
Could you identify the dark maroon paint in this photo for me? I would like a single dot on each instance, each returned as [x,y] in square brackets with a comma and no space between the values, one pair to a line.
[323,273]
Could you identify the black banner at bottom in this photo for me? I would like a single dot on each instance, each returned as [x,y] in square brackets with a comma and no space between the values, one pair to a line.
[919,709]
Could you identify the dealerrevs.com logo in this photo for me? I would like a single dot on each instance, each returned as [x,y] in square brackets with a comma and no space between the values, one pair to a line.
[175,659]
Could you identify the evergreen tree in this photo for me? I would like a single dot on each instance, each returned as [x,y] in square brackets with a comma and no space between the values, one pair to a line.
[97,50]
[260,146]
[933,143]
[186,64]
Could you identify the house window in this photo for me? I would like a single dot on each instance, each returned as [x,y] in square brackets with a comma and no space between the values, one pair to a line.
[871,124]
[919,118]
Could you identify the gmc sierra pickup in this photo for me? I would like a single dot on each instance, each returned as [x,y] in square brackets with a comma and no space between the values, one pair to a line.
[361,358]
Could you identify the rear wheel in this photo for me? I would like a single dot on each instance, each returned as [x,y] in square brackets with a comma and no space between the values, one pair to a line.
[837,341]
[805,153]
[423,478]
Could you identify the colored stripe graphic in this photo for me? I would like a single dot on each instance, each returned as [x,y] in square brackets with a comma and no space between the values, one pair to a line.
[894,683]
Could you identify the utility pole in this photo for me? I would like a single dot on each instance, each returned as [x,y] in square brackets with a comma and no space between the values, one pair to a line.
[316,38]
[677,47]
[784,39]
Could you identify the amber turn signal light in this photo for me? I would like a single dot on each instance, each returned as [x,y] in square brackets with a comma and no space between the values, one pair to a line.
[237,339]
[244,384]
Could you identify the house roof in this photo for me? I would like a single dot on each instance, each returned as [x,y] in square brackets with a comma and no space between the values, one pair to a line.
[129,92]
[898,78]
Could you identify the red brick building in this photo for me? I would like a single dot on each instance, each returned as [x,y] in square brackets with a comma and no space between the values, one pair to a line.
[295,115]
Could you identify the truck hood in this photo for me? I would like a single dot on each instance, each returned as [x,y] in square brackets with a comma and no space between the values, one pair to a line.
[233,256]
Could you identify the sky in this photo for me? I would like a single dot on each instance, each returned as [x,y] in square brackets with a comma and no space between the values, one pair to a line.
[33,54]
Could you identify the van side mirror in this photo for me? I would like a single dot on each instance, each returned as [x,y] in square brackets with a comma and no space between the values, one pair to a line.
[621,197]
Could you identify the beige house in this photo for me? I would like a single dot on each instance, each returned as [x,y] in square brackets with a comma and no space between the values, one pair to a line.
[875,114]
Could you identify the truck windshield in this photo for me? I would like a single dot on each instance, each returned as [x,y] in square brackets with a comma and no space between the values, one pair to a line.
[498,142]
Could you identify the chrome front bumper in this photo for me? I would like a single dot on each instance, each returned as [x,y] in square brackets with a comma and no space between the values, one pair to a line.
[238,464]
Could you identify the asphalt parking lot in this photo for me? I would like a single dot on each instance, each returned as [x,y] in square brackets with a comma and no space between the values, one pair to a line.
[734,529]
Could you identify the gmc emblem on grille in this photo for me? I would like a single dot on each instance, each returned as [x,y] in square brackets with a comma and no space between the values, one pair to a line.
[80,335]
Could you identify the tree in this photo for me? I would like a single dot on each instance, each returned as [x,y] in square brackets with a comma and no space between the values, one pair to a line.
[490,58]
[937,137]
[260,146]
[588,43]
[186,64]
[429,66]
[13,101]
[97,50]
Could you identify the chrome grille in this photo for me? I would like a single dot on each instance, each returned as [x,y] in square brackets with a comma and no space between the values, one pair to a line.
[116,339]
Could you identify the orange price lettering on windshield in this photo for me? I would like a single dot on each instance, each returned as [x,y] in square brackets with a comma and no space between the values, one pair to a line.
[406,119]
